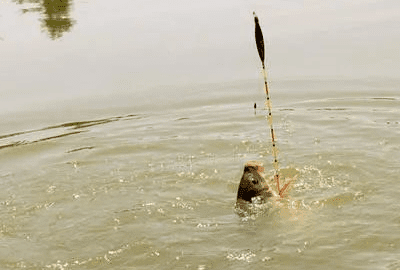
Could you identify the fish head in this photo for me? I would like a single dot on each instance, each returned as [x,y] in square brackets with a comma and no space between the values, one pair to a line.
[253,184]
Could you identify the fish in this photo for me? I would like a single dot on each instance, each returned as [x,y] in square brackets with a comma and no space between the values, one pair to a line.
[254,196]
[253,184]
[257,195]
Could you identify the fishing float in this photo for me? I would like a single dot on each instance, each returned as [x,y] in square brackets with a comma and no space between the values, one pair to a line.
[261,53]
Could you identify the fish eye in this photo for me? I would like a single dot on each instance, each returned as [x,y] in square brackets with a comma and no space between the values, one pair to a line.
[252,179]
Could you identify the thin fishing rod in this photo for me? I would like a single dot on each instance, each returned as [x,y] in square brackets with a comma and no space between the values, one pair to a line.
[261,50]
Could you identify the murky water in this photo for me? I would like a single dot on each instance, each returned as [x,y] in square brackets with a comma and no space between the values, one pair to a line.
[116,151]
[155,188]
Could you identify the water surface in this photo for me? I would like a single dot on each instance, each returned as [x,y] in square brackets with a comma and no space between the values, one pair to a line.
[149,188]
[124,128]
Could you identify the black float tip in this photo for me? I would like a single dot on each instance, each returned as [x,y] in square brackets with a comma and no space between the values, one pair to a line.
[255,17]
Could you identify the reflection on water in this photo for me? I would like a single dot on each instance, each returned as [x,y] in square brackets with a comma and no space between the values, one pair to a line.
[55,15]
[53,132]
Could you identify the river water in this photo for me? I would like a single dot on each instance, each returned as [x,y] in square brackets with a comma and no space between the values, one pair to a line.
[146,186]
[125,127]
